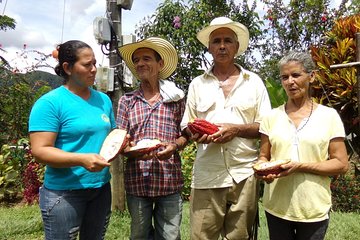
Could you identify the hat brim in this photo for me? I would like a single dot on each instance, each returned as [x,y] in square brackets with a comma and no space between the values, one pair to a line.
[165,49]
[240,30]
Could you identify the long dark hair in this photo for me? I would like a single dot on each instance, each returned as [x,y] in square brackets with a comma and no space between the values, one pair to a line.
[68,52]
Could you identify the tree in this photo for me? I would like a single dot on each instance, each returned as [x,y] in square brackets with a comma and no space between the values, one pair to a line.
[6,23]
[296,26]
[179,21]
[338,88]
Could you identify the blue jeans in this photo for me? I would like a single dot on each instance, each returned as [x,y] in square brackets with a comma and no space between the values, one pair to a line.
[166,211]
[66,213]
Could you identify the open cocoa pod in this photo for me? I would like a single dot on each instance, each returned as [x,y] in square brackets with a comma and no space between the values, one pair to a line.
[146,145]
[271,167]
[113,144]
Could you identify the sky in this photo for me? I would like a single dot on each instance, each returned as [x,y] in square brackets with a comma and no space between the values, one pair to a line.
[42,24]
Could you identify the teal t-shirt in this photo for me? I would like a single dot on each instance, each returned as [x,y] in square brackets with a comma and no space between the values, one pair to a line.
[81,127]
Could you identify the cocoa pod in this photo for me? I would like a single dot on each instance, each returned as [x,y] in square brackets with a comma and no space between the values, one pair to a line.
[146,146]
[201,126]
[205,124]
[271,167]
[113,144]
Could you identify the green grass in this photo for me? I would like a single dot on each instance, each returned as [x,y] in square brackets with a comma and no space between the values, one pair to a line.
[24,222]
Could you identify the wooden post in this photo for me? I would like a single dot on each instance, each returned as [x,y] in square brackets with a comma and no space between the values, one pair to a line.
[358,68]
[117,166]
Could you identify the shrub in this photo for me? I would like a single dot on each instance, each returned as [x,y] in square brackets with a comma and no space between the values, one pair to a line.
[20,175]
[32,179]
[337,88]
[12,165]
[187,157]
[346,193]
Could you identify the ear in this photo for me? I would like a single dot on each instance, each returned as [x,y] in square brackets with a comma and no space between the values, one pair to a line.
[161,63]
[67,68]
[312,76]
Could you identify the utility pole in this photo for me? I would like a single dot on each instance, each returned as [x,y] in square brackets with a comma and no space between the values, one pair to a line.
[117,166]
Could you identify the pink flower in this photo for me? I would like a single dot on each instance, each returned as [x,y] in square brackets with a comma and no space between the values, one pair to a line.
[177,25]
[177,19]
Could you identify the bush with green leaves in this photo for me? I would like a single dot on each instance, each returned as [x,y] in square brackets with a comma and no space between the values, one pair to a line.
[20,175]
[188,155]
[346,193]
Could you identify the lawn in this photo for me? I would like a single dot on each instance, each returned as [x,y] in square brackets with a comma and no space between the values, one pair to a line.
[24,222]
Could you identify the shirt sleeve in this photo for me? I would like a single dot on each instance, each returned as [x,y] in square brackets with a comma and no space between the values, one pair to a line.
[337,125]
[189,113]
[44,117]
[122,117]
[264,105]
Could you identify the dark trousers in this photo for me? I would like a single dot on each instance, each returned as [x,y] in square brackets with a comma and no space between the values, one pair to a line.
[280,229]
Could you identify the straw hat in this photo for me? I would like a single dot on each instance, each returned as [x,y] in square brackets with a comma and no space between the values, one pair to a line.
[161,46]
[240,30]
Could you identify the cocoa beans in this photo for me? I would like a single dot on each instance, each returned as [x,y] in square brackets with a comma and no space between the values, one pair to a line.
[146,146]
[201,126]
[271,167]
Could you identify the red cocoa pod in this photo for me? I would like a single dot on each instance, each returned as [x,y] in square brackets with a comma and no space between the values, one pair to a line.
[271,167]
[113,144]
[201,126]
[205,124]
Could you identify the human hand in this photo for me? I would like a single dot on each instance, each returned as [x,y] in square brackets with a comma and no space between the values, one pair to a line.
[204,139]
[289,168]
[226,133]
[170,149]
[94,162]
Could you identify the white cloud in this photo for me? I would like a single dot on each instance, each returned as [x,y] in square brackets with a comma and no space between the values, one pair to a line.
[39,24]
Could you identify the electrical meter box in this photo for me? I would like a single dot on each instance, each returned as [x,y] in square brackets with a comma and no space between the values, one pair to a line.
[129,78]
[104,79]
[102,31]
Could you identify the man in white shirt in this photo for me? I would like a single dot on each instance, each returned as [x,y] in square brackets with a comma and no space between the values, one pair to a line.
[225,192]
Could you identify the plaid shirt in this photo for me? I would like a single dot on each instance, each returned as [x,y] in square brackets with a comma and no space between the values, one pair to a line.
[151,178]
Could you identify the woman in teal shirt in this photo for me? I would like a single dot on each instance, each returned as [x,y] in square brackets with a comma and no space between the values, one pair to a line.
[67,128]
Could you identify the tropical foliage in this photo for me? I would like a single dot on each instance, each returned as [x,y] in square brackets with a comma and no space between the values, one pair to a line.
[6,23]
[179,21]
[338,87]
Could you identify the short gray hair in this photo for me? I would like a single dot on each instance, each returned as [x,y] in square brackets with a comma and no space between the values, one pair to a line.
[303,58]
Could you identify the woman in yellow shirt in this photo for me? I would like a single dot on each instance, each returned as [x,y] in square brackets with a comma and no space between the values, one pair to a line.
[297,201]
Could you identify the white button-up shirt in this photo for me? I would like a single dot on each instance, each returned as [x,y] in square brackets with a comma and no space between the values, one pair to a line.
[218,165]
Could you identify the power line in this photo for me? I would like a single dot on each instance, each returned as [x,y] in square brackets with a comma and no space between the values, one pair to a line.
[63,22]
[4,7]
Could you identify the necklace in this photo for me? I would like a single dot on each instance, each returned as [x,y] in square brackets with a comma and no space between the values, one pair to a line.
[307,120]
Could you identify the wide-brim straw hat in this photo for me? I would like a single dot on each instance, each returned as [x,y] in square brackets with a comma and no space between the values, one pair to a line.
[239,29]
[165,49]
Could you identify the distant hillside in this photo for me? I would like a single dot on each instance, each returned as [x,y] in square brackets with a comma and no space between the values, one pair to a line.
[53,80]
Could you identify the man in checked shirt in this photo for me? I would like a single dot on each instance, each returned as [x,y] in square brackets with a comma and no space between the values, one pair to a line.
[153,181]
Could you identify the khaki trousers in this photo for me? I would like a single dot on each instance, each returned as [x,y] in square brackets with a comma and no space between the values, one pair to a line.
[229,211]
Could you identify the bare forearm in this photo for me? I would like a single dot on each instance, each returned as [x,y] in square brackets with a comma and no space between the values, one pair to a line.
[247,130]
[330,167]
[57,158]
